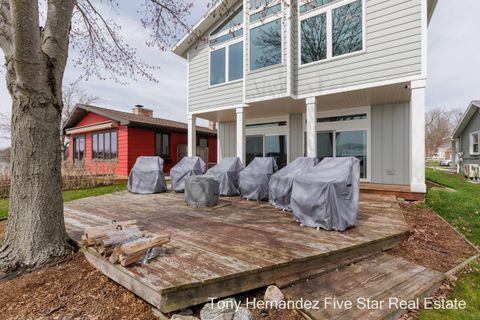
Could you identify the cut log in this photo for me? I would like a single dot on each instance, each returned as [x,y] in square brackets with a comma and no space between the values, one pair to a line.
[134,251]
[93,234]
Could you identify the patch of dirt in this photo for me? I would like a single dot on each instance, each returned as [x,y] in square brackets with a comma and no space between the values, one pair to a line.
[433,243]
[3,227]
[71,290]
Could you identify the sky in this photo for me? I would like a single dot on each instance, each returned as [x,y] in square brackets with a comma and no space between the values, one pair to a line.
[453,64]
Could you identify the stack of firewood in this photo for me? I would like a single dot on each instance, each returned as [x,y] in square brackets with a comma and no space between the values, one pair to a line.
[123,242]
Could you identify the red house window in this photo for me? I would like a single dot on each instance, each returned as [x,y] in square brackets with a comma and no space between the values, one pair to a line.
[162,145]
[104,145]
[78,148]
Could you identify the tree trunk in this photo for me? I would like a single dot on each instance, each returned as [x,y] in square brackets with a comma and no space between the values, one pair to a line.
[36,229]
[36,59]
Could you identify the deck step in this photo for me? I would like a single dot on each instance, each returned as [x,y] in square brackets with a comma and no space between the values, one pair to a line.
[366,284]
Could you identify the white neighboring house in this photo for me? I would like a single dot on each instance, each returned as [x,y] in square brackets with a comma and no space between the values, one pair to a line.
[317,78]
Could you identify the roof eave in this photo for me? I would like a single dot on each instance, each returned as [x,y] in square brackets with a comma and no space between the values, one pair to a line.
[203,25]
[467,116]
[432,4]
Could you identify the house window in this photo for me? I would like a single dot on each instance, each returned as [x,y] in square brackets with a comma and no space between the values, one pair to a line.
[330,30]
[474,142]
[203,142]
[266,44]
[78,148]
[104,145]
[162,145]
[226,55]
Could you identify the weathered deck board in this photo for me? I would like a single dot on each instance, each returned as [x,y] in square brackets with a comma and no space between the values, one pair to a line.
[237,246]
[377,279]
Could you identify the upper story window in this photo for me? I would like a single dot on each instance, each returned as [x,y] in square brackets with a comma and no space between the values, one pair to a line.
[330,30]
[226,55]
[475,142]
[265,33]
[104,145]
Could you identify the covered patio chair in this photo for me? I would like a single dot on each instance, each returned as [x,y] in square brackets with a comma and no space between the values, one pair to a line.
[253,180]
[147,176]
[281,182]
[188,166]
[226,173]
[327,195]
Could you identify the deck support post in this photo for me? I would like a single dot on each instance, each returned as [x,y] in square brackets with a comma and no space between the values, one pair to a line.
[417,137]
[241,133]
[311,113]
[192,135]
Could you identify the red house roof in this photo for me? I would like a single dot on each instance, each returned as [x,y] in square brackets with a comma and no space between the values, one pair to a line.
[129,119]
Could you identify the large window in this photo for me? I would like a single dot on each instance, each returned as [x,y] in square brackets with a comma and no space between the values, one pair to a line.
[274,146]
[330,29]
[162,145]
[266,44]
[226,55]
[104,145]
[474,142]
[78,148]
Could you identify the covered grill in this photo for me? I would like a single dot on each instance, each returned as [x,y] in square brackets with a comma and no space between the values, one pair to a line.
[253,180]
[281,182]
[201,191]
[188,166]
[226,173]
[147,176]
[327,195]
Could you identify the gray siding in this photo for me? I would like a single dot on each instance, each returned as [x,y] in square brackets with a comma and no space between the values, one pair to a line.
[473,125]
[393,44]
[390,143]
[227,145]
[296,136]
[200,94]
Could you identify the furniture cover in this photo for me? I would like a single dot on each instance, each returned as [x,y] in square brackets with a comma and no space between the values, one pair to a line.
[147,176]
[281,182]
[327,195]
[188,166]
[226,173]
[201,191]
[253,180]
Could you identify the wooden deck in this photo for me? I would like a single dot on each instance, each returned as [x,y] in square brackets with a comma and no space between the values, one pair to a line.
[384,280]
[397,190]
[235,247]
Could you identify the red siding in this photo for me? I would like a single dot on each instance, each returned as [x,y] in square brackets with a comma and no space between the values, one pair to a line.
[135,142]
[141,142]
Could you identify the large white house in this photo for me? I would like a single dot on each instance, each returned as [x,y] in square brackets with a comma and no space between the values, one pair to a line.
[319,78]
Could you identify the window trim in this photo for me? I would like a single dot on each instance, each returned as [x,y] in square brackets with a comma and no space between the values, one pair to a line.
[169,145]
[328,9]
[471,143]
[80,136]
[91,145]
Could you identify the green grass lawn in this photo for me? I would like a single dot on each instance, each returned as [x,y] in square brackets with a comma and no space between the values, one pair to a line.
[462,210]
[71,195]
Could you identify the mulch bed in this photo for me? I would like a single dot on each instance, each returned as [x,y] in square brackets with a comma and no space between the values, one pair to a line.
[433,243]
[74,289]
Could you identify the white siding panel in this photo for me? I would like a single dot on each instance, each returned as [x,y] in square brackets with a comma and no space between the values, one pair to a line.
[227,146]
[393,50]
[296,136]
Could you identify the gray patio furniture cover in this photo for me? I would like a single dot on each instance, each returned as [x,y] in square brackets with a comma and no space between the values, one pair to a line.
[147,176]
[253,180]
[327,195]
[281,182]
[201,191]
[226,173]
[188,166]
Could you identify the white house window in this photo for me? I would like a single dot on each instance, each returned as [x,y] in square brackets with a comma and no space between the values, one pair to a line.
[474,142]
[226,45]
[265,33]
[330,30]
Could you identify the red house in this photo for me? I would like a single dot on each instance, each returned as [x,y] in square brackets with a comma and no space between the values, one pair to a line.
[99,135]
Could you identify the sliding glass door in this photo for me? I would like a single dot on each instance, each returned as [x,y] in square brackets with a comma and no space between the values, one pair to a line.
[353,144]
[267,146]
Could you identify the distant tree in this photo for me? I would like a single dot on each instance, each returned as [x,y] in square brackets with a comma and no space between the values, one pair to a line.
[5,126]
[439,125]
[36,49]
